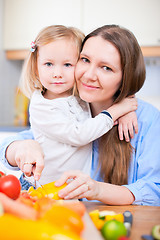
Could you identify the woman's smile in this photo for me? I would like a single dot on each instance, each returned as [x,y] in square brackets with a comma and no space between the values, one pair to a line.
[89,86]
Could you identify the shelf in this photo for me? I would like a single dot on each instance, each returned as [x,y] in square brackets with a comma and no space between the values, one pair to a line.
[22,54]
[16,54]
[151,51]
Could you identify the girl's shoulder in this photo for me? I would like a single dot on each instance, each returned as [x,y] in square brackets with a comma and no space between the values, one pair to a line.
[78,105]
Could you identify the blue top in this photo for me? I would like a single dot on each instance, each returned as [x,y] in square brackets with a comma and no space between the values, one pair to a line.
[144,170]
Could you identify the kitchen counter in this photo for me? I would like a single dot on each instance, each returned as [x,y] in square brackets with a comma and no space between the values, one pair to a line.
[144,217]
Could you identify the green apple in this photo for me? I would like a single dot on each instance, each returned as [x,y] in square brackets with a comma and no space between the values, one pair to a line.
[156,232]
[113,229]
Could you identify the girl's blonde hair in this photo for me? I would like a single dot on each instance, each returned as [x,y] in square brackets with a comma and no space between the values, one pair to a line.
[29,78]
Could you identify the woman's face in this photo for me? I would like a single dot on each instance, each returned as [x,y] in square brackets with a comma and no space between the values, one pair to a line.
[98,71]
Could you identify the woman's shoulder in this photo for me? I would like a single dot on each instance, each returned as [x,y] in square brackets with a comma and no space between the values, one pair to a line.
[148,122]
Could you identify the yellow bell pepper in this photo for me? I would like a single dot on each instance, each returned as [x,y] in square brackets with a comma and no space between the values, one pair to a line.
[119,217]
[13,228]
[94,215]
[100,217]
[47,190]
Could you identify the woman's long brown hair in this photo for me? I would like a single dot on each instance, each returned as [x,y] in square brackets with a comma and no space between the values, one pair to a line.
[115,155]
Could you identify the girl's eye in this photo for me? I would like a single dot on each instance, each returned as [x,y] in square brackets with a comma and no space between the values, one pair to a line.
[67,64]
[85,60]
[107,68]
[48,64]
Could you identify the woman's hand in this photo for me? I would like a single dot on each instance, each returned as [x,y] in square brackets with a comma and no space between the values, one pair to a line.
[127,124]
[27,155]
[79,186]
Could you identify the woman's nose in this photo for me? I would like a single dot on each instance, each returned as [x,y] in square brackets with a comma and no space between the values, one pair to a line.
[90,73]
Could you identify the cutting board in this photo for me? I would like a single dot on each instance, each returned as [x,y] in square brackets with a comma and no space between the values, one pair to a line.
[90,232]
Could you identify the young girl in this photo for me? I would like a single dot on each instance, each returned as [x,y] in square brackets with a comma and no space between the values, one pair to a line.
[60,121]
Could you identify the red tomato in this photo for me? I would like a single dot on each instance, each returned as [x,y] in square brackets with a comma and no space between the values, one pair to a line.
[2,174]
[10,186]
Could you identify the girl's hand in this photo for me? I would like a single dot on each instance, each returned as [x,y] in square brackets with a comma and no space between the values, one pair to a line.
[28,156]
[80,186]
[127,124]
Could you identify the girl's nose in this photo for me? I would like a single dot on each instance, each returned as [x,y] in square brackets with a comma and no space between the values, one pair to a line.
[90,73]
[57,72]
[56,76]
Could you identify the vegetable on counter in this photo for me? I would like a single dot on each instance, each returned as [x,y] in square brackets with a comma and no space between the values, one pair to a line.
[16,208]
[14,228]
[112,226]
[100,217]
[113,230]
[47,190]
[50,221]
[2,174]
[76,206]
[10,185]
[156,232]
[65,218]
[36,215]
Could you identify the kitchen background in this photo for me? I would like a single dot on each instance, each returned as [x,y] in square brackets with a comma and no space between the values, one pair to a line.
[21,20]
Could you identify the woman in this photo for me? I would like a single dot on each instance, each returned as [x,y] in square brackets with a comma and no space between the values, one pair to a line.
[110,68]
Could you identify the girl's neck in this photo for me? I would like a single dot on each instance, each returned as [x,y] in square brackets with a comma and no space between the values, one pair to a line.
[49,95]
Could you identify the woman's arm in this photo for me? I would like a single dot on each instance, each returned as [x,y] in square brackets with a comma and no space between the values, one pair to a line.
[144,180]
[144,173]
[82,186]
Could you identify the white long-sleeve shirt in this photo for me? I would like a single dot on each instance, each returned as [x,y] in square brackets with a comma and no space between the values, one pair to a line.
[65,130]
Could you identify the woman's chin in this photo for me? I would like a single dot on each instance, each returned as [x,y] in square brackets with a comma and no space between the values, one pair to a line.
[86,97]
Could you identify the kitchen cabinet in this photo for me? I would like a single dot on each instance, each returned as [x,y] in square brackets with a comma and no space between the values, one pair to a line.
[24,19]
[141,17]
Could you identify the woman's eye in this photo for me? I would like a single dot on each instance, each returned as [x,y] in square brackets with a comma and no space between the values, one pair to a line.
[48,64]
[107,68]
[67,64]
[85,60]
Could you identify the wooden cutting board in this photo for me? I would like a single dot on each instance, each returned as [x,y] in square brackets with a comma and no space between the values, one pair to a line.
[90,232]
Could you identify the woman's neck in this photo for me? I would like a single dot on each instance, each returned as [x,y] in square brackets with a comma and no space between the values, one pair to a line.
[96,108]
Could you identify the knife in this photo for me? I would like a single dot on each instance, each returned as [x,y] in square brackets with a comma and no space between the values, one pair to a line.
[32,181]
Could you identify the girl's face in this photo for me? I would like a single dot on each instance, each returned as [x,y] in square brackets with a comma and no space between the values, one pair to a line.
[98,72]
[56,67]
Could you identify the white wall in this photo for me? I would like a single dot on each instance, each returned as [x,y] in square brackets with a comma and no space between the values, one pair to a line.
[10,72]
[150,91]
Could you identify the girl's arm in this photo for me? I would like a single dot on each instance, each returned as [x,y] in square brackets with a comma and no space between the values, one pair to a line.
[21,148]
[127,126]
[27,155]
[57,125]
[5,143]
